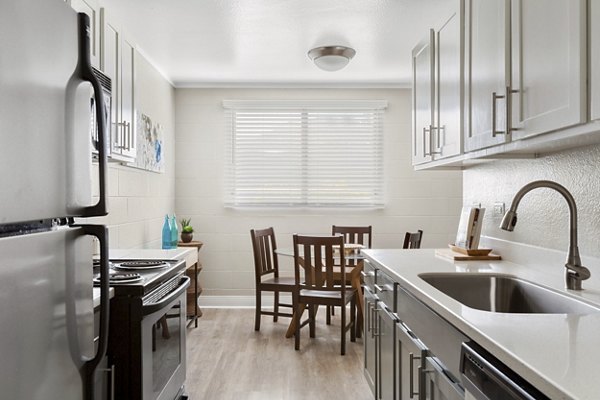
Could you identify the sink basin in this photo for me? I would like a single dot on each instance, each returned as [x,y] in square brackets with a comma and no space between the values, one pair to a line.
[505,294]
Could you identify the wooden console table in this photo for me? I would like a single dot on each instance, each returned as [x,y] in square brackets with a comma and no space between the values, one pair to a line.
[193,311]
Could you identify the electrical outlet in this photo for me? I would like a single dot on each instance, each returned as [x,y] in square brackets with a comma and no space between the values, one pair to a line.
[498,209]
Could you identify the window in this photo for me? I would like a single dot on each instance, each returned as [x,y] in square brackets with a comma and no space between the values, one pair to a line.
[305,153]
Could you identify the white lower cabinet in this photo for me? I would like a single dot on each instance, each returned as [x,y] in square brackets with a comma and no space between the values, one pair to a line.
[410,361]
[437,385]
[398,364]
[370,339]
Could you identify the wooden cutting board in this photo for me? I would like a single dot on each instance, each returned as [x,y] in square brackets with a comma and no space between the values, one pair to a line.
[452,255]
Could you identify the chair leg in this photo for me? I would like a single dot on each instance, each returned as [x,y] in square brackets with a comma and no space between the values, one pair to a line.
[257,311]
[343,328]
[312,313]
[329,311]
[353,319]
[275,306]
[297,317]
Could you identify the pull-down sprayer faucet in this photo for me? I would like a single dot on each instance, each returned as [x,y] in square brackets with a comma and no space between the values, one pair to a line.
[575,272]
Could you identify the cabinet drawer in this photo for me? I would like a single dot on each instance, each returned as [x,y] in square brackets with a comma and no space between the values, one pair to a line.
[369,274]
[441,338]
[385,290]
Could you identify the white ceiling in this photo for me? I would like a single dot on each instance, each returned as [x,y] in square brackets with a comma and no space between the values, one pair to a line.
[265,42]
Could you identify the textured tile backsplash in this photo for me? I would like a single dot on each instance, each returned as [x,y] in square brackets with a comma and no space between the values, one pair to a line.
[543,213]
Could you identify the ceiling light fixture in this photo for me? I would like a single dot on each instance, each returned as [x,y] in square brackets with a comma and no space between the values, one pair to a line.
[331,58]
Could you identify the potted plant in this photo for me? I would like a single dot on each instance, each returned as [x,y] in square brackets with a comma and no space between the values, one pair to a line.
[187,231]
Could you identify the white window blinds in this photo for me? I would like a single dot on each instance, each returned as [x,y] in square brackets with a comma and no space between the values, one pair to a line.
[305,153]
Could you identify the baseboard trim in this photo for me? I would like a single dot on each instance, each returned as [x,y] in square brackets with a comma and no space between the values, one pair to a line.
[240,301]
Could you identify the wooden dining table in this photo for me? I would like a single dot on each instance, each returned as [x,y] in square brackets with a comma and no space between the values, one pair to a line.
[354,265]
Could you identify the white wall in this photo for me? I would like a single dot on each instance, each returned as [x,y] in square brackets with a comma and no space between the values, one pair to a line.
[138,199]
[415,200]
[543,214]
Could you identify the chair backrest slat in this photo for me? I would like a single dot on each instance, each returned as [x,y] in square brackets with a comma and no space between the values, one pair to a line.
[354,234]
[316,259]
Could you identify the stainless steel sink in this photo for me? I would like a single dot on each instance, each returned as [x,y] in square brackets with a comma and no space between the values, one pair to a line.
[505,294]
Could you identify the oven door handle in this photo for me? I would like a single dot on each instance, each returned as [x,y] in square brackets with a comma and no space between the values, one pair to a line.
[184,282]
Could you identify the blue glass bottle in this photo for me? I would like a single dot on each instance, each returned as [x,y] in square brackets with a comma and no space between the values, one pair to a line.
[174,232]
[166,233]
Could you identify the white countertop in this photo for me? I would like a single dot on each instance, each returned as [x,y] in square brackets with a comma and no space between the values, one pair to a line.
[557,353]
[189,254]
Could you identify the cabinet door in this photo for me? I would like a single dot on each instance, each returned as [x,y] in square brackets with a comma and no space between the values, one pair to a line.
[438,385]
[387,370]
[423,92]
[128,97]
[447,133]
[594,47]
[90,7]
[410,361]
[370,340]
[110,62]
[548,65]
[486,72]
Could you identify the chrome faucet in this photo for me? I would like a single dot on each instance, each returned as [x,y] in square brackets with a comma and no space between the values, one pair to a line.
[575,272]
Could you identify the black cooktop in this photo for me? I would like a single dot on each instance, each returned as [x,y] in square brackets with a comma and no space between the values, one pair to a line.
[139,277]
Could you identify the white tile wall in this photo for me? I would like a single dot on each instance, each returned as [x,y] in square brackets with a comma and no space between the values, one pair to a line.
[415,200]
[138,200]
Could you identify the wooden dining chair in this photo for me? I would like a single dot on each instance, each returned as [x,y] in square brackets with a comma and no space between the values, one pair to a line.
[315,263]
[356,235]
[266,272]
[412,240]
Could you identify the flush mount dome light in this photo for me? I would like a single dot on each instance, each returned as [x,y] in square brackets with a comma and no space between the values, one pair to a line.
[331,58]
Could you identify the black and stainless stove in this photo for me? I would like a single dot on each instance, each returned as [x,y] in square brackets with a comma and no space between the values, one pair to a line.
[139,277]
[147,328]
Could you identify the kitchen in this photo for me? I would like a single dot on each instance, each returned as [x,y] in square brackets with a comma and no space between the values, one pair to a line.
[183,94]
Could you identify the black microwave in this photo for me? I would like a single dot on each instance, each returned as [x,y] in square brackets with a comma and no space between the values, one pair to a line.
[106,84]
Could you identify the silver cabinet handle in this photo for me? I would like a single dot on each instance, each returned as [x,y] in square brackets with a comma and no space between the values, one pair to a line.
[508,97]
[426,130]
[375,331]
[411,389]
[495,98]
[380,288]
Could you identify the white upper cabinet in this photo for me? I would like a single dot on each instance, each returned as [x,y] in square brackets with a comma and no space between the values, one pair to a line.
[423,94]
[90,7]
[117,61]
[486,67]
[548,52]
[127,100]
[448,99]
[594,38]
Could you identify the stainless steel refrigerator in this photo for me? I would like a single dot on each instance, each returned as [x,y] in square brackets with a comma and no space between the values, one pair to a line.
[47,348]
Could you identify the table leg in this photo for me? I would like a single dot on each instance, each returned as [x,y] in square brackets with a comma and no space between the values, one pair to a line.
[359,304]
[292,328]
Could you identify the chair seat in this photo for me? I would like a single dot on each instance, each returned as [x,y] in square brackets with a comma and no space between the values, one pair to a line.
[279,281]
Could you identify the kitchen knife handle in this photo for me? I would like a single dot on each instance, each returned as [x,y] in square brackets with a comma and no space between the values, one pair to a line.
[84,68]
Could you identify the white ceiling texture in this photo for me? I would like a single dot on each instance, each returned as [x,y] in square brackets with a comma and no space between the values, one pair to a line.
[265,42]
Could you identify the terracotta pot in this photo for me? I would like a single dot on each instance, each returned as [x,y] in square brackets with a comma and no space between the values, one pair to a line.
[187,237]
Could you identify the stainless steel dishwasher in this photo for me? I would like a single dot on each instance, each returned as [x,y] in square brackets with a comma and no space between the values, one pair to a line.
[486,378]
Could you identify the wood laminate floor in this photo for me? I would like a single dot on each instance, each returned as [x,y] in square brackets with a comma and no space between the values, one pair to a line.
[227,359]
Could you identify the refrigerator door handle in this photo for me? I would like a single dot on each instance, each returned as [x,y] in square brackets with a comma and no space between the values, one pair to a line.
[84,67]
[101,232]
